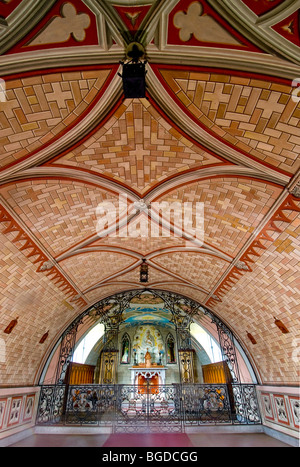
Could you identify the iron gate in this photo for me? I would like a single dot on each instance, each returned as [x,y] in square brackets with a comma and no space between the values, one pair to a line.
[148,409]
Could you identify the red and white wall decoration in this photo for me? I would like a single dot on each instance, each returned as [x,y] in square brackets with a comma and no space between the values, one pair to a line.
[280,409]
[17,410]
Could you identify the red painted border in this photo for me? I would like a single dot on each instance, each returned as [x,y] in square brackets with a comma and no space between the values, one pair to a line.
[32,252]
[7,8]
[122,10]
[294,37]
[262,6]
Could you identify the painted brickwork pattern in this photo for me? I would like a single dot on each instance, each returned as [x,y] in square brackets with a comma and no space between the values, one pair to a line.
[59,213]
[39,305]
[38,108]
[199,269]
[271,290]
[138,147]
[89,269]
[233,208]
[255,116]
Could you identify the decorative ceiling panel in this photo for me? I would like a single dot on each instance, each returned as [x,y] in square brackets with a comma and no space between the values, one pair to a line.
[41,107]
[197,24]
[199,269]
[88,269]
[254,115]
[67,24]
[233,208]
[59,213]
[132,16]
[289,28]
[138,148]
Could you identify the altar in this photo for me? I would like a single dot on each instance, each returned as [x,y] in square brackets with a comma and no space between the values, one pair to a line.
[155,375]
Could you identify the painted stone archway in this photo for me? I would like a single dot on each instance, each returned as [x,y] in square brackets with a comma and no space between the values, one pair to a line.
[183,311]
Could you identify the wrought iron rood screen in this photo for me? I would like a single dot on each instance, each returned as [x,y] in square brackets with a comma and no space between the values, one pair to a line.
[129,408]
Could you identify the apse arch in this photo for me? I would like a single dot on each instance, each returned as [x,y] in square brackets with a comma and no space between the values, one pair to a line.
[183,312]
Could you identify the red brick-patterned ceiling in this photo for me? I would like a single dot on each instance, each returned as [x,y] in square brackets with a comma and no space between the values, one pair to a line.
[219,127]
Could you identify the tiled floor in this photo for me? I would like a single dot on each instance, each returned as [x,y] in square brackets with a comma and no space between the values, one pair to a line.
[152,440]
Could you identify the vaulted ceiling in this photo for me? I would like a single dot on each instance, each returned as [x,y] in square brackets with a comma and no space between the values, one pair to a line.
[220,126]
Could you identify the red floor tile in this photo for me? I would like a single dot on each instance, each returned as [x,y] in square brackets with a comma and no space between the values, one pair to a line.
[148,440]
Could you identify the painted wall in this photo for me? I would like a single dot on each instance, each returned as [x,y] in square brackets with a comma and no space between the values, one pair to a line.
[18,408]
[280,408]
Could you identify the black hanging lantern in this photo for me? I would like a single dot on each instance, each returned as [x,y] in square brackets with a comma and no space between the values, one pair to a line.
[144,272]
[134,72]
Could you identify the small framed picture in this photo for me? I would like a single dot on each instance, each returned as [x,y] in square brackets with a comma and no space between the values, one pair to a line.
[3,403]
[29,405]
[281,409]
[267,406]
[295,410]
[15,411]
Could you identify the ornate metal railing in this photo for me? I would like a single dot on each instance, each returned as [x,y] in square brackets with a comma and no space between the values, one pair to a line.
[150,408]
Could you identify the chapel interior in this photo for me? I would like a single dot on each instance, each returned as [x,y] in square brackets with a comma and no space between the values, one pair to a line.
[149,222]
